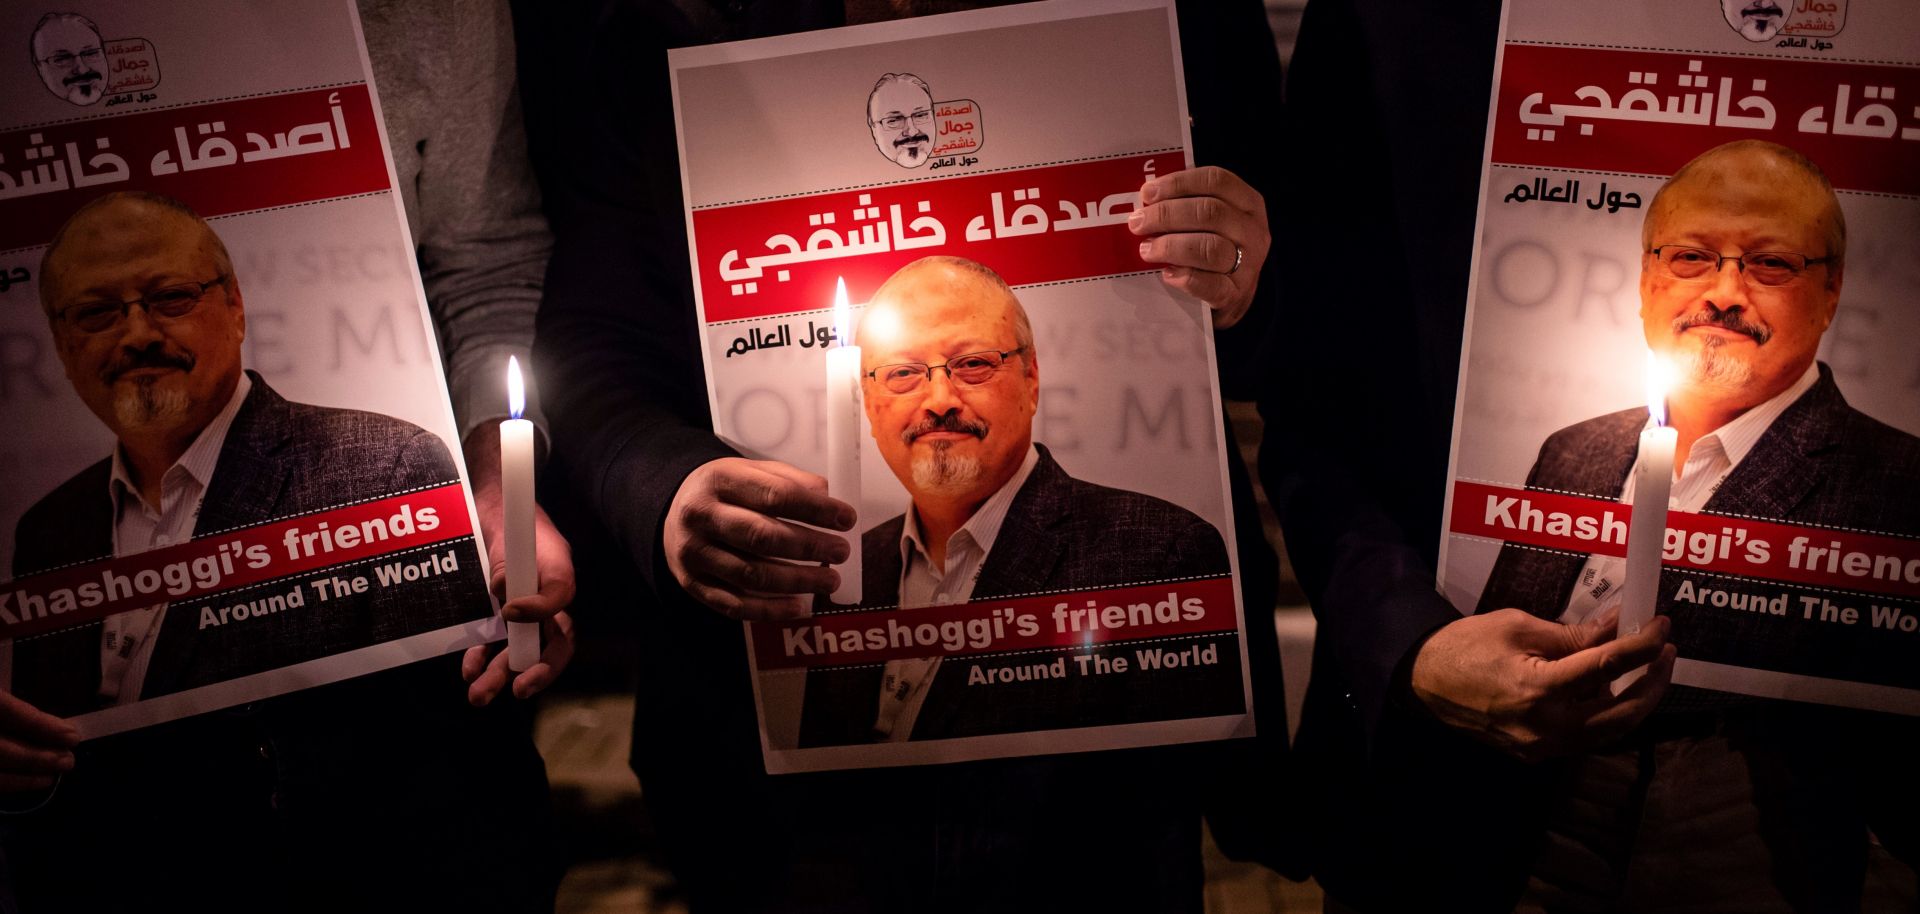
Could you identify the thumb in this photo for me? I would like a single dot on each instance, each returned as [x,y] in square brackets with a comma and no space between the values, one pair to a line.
[1596,666]
[808,480]
[1596,629]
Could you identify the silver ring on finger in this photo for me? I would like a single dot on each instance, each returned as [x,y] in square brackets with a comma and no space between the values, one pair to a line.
[1239,254]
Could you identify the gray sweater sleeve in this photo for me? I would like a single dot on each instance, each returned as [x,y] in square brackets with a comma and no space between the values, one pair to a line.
[445,75]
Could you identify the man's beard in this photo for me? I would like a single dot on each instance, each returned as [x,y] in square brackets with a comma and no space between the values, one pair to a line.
[905,151]
[148,404]
[939,470]
[944,472]
[1709,365]
[1758,21]
[83,87]
[145,402]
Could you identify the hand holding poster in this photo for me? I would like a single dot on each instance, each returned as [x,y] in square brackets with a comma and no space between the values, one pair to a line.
[1040,563]
[1750,192]
[230,475]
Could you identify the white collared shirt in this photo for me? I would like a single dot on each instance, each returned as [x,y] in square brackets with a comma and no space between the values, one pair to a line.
[1709,462]
[903,686]
[126,639]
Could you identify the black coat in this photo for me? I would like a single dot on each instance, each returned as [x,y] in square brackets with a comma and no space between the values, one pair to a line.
[1388,102]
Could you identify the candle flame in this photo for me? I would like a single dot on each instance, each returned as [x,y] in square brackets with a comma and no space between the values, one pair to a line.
[1659,380]
[842,313]
[516,388]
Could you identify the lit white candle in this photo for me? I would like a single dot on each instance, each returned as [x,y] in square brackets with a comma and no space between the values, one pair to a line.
[843,435]
[516,493]
[1647,532]
[1652,485]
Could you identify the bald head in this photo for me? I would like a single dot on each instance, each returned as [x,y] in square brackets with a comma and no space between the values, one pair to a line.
[931,280]
[1754,176]
[119,221]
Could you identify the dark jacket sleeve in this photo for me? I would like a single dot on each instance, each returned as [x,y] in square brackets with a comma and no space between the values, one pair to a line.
[1233,78]
[1389,109]
[1233,82]
[617,337]
[459,146]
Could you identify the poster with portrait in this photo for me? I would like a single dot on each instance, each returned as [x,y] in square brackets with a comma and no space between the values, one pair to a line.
[1024,416]
[1697,250]
[232,468]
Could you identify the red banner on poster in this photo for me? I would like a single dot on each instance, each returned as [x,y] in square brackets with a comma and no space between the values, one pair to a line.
[221,158]
[1070,620]
[217,562]
[1824,556]
[1047,224]
[1648,112]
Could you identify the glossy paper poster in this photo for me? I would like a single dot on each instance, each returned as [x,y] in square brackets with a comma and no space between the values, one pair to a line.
[1784,329]
[229,461]
[1098,608]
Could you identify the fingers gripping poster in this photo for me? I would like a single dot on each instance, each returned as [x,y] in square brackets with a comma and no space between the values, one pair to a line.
[1024,416]
[1690,386]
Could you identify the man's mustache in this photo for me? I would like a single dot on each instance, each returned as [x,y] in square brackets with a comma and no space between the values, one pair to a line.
[946,422]
[1763,8]
[81,77]
[151,357]
[915,138]
[1730,319]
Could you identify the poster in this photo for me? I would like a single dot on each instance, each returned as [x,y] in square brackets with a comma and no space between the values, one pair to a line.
[1784,331]
[1034,347]
[232,469]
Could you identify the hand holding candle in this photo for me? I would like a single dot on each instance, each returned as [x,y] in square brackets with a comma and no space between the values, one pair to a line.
[843,435]
[516,490]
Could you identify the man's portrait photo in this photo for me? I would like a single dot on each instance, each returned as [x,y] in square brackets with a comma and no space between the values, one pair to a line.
[147,316]
[1755,20]
[70,57]
[1743,259]
[950,386]
[900,114]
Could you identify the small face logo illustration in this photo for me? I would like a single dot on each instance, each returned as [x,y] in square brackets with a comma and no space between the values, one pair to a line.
[70,57]
[1755,20]
[900,114]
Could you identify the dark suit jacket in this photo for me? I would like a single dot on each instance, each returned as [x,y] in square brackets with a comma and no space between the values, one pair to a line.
[359,795]
[1060,534]
[1822,462]
[279,460]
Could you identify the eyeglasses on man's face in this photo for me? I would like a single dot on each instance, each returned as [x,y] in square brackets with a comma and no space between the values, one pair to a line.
[969,370]
[920,118]
[166,303]
[1768,268]
[66,59]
